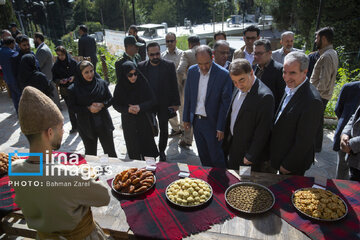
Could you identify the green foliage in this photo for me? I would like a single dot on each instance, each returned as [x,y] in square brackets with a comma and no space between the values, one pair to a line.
[345,75]
[110,63]
[7,15]
[299,41]
[164,11]
[83,11]
[69,43]
[182,42]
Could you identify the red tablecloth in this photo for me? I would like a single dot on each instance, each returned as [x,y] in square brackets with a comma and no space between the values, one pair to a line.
[152,216]
[7,193]
[345,229]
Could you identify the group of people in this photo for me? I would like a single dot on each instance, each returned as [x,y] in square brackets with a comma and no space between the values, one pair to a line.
[251,106]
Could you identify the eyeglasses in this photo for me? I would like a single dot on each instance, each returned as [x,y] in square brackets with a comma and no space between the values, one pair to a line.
[170,41]
[132,74]
[154,54]
[259,53]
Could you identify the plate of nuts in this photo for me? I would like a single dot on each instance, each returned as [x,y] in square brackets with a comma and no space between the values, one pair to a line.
[248,197]
[319,204]
[133,182]
[189,192]
[4,162]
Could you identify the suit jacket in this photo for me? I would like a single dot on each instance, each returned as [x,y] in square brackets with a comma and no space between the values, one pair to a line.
[187,60]
[123,59]
[142,49]
[273,79]
[348,101]
[218,95]
[252,126]
[239,53]
[292,142]
[167,95]
[352,129]
[45,58]
[87,48]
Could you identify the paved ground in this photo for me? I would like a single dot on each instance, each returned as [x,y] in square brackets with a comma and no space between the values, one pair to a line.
[11,137]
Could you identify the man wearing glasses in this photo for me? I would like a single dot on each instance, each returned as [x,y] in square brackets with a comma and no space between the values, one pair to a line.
[251,34]
[268,70]
[173,54]
[161,75]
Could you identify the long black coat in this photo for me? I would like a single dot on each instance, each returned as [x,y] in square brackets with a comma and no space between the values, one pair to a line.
[252,127]
[292,142]
[87,48]
[81,95]
[273,79]
[137,130]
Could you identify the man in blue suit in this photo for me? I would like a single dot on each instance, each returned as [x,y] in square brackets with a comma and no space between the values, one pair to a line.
[207,98]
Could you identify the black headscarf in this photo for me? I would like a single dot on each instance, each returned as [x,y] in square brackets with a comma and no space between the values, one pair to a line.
[131,93]
[65,68]
[90,92]
[30,76]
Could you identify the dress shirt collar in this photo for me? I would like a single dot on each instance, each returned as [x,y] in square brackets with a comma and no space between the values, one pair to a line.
[247,52]
[292,91]
[41,44]
[208,73]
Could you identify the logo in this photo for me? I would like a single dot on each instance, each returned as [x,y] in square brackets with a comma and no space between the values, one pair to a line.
[15,153]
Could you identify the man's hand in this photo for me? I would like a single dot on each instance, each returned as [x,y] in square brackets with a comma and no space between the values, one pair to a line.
[95,107]
[344,143]
[175,108]
[187,125]
[284,171]
[219,135]
[247,162]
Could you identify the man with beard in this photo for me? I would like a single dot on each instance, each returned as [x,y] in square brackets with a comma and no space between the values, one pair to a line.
[56,212]
[161,75]
[287,43]
[323,76]
[6,53]
[133,31]
[24,46]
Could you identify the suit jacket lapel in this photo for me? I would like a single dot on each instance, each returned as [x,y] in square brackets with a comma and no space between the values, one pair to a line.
[195,85]
[248,98]
[211,81]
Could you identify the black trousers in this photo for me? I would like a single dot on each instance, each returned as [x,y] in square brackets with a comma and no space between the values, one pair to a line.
[162,116]
[72,115]
[106,140]
[354,174]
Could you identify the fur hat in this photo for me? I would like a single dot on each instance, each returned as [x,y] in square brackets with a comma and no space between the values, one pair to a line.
[37,112]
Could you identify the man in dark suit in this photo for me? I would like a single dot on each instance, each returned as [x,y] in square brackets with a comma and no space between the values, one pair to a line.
[348,101]
[292,143]
[161,75]
[221,35]
[87,45]
[268,70]
[207,98]
[249,118]
[133,31]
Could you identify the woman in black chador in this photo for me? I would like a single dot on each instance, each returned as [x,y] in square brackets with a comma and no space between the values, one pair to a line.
[63,74]
[133,98]
[89,98]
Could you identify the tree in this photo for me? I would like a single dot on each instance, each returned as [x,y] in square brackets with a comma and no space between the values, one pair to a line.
[7,15]
[164,11]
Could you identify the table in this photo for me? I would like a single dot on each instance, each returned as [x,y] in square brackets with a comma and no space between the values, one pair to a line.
[265,226]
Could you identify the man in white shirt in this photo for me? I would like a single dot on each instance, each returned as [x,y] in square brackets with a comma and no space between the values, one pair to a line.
[249,118]
[172,53]
[287,43]
[251,34]
[207,98]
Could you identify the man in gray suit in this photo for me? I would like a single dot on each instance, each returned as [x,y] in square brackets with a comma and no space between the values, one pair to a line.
[350,144]
[45,58]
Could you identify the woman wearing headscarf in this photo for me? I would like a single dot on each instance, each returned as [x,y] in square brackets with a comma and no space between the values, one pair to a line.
[29,75]
[133,98]
[89,98]
[63,72]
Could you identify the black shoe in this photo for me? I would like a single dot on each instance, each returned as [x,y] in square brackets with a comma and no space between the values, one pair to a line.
[162,157]
[174,133]
[73,130]
[183,144]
